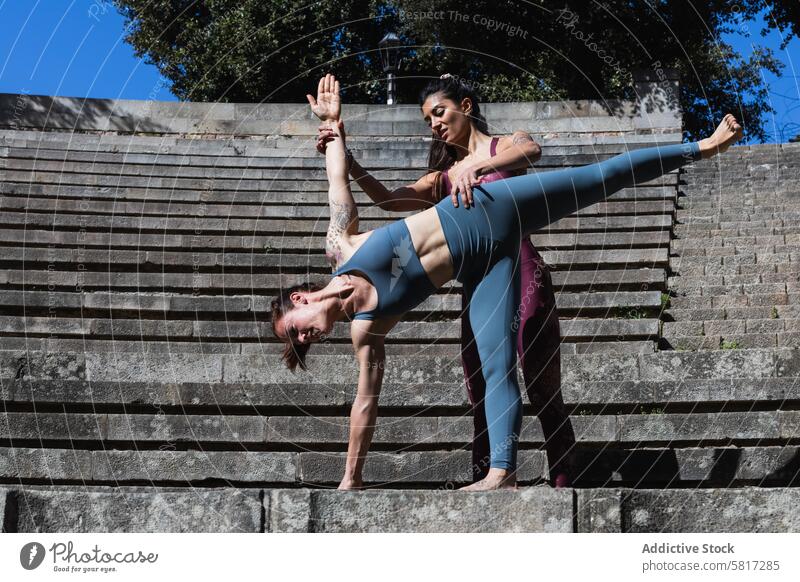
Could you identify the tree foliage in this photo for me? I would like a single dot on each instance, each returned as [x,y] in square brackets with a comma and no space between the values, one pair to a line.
[512,50]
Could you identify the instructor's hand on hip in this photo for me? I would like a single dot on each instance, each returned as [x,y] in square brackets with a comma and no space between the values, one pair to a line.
[464,183]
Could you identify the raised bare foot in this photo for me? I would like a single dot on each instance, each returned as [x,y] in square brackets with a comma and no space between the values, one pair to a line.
[728,132]
[495,479]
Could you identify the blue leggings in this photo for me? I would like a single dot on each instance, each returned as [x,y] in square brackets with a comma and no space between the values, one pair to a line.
[484,243]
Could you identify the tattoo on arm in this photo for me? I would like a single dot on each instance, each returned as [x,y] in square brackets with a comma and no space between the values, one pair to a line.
[342,216]
[521,139]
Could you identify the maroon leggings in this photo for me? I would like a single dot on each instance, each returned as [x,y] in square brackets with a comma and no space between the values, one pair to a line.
[539,349]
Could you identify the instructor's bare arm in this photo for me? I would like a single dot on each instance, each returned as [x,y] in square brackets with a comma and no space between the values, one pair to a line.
[417,196]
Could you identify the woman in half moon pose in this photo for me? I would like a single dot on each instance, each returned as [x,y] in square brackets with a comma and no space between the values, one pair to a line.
[462,155]
[383,273]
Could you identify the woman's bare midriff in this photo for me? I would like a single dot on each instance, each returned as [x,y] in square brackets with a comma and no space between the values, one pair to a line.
[428,239]
[427,236]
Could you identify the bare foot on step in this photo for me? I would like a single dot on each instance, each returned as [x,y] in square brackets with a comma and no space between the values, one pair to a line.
[495,479]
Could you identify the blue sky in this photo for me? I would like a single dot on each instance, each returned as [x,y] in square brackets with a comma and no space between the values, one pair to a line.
[76,48]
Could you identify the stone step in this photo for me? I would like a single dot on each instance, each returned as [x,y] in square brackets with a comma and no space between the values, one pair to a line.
[234,347]
[393,433]
[130,260]
[254,227]
[713,285]
[151,508]
[724,245]
[733,254]
[49,509]
[266,209]
[644,279]
[261,330]
[759,216]
[164,143]
[299,122]
[730,341]
[314,242]
[233,306]
[288,153]
[414,365]
[233,198]
[240,167]
[114,180]
[720,208]
[281,153]
[784,312]
[386,469]
[713,234]
[589,397]
[727,327]
[606,467]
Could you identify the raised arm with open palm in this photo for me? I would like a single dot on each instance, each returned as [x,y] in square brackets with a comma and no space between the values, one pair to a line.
[327,106]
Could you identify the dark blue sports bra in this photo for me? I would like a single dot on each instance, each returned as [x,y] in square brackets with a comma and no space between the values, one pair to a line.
[391,264]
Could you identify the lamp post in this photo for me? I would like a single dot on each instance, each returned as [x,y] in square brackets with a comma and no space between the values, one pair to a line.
[389,49]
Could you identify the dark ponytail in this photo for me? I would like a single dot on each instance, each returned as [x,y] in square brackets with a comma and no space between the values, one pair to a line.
[441,156]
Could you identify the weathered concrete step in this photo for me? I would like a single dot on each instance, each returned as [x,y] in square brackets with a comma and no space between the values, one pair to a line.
[742,217]
[713,234]
[278,169]
[292,239]
[296,121]
[51,509]
[728,209]
[723,246]
[77,139]
[116,260]
[163,304]
[219,330]
[320,212]
[416,367]
[734,301]
[220,196]
[773,269]
[721,466]
[285,154]
[194,467]
[206,283]
[785,312]
[709,510]
[115,180]
[16,343]
[728,327]
[732,341]
[300,155]
[735,226]
[255,226]
[62,509]
[309,432]
[71,509]
[709,466]
[712,285]
[301,394]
